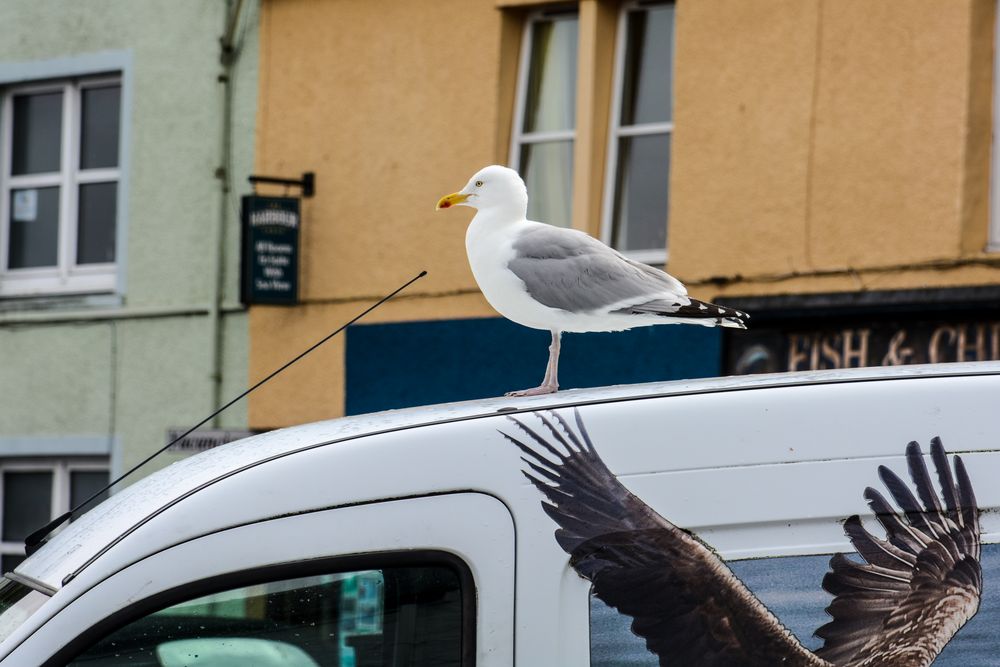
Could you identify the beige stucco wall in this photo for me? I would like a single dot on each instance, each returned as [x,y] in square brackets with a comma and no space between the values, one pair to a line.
[314,389]
[392,104]
[820,145]
[819,140]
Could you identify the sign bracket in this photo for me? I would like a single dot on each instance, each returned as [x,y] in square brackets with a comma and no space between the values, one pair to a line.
[307,182]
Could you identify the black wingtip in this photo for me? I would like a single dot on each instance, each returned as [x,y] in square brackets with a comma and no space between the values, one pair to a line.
[967,497]
[531,433]
[566,437]
[588,443]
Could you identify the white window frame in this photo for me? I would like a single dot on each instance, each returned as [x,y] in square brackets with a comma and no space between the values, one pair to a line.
[519,137]
[616,131]
[62,470]
[67,277]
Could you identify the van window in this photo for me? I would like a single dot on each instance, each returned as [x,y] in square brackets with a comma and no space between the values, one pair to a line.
[17,603]
[400,616]
[791,588]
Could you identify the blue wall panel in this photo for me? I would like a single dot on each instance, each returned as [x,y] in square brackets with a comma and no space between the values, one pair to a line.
[419,363]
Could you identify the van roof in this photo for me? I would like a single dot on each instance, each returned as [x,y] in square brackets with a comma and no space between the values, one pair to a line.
[77,545]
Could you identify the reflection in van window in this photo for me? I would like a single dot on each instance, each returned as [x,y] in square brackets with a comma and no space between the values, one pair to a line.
[403,616]
[17,603]
[791,588]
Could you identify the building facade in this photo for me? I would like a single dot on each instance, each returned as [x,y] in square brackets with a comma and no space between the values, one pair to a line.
[123,127]
[824,165]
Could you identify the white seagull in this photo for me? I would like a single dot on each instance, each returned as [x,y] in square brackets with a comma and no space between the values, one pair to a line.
[558,279]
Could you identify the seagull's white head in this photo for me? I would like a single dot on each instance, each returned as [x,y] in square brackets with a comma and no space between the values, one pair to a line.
[493,188]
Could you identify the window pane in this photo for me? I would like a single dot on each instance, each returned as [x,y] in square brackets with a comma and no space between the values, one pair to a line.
[647,95]
[791,588]
[99,127]
[37,133]
[410,616]
[95,237]
[27,503]
[85,483]
[550,100]
[34,228]
[547,169]
[612,642]
[17,604]
[640,219]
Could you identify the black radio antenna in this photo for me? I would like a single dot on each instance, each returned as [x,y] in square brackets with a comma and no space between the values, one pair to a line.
[33,541]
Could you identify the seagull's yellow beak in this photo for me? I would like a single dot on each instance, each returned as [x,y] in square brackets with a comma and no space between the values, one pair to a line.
[451,200]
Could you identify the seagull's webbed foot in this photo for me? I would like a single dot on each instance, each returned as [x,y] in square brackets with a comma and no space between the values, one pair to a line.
[535,391]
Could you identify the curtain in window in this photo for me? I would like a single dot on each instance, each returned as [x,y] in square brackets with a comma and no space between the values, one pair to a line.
[545,156]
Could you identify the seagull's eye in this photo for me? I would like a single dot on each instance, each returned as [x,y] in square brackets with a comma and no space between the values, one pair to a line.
[479,184]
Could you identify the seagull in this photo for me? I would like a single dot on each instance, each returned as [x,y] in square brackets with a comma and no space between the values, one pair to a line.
[559,279]
[914,592]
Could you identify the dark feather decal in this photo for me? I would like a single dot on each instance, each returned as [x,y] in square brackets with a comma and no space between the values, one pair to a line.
[913,591]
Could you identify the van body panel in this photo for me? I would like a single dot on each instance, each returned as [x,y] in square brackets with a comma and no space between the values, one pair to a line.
[756,467]
[74,546]
[479,531]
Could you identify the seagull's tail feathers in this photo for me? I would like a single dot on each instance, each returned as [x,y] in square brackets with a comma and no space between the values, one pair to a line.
[733,323]
[702,312]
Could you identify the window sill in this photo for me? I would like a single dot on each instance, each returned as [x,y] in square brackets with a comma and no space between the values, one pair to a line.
[657,258]
[12,305]
[51,282]
[106,307]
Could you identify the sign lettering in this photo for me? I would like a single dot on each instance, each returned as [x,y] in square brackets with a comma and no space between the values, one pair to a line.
[270,250]
[876,344]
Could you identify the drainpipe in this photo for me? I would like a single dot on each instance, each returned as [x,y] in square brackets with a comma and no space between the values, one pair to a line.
[227,58]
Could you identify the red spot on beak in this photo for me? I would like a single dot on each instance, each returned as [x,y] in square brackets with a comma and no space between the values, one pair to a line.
[447,204]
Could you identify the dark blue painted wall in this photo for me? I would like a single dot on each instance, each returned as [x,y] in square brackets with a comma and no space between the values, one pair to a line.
[419,363]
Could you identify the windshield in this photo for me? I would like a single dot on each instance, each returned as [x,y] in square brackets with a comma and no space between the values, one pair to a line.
[17,603]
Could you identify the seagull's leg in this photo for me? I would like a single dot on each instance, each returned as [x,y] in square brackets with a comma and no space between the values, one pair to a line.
[550,383]
[552,371]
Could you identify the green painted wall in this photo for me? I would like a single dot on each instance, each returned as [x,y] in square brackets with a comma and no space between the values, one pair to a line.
[128,367]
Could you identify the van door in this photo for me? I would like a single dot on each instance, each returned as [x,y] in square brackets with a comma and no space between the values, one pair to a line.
[417,581]
[766,480]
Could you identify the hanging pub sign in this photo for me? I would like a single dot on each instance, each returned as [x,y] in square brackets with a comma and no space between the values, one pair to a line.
[270,269]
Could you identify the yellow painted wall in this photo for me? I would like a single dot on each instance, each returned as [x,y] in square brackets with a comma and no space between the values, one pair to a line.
[314,388]
[823,140]
[392,104]
[819,145]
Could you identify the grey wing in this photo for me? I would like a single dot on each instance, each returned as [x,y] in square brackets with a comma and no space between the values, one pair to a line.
[567,269]
[684,602]
[919,586]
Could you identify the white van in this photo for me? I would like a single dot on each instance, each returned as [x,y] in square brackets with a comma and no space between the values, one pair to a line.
[413,538]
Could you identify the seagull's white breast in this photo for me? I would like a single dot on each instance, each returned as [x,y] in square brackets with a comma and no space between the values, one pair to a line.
[490,246]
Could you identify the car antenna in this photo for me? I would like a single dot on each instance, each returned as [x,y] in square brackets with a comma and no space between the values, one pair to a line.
[34,541]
